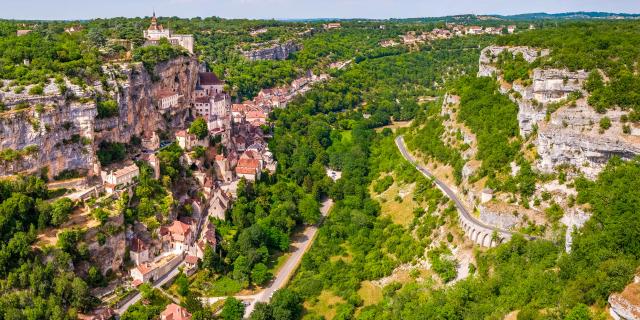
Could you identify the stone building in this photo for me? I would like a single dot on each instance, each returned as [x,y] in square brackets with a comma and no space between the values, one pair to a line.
[208,84]
[168,99]
[156,32]
[138,251]
[122,176]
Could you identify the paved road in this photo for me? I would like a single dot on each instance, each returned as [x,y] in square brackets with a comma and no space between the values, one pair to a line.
[299,247]
[284,274]
[442,186]
[157,284]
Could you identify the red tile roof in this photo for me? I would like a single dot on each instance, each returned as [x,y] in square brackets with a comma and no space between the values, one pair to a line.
[181,133]
[175,312]
[249,163]
[144,268]
[191,259]
[179,227]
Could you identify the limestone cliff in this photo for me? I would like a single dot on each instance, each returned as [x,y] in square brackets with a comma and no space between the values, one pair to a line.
[275,52]
[573,137]
[60,137]
[62,132]
[569,136]
[137,100]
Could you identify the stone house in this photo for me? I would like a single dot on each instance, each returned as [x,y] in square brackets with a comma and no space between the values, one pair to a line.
[138,251]
[177,237]
[333,25]
[142,273]
[187,140]
[219,204]
[122,176]
[208,85]
[168,99]
[249,169]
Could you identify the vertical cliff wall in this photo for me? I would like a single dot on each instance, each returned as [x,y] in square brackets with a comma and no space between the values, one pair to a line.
[62,132]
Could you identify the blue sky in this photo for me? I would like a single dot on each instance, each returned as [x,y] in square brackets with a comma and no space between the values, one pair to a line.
[281,9]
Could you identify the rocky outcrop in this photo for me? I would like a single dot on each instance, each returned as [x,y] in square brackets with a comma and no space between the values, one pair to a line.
[275,52]
[110,254]
[138,109]
[61,136]
[507,216]
[626,305]
[489,55]
[63,133]
[573,137]
[549,86]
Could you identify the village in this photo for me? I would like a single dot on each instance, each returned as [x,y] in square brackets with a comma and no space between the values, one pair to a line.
[451,30]
[234,148]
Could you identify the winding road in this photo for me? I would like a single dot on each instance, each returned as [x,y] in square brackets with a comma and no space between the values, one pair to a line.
[302,242]
[476,230]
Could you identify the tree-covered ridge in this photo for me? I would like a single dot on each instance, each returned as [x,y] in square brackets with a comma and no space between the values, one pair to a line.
[38,284]
[426,135]
[50,52]
[492,117]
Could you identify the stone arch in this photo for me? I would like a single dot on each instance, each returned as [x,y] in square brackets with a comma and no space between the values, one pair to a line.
[486,240]
[473,235]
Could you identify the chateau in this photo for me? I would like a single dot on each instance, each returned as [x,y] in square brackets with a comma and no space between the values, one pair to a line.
[157,31]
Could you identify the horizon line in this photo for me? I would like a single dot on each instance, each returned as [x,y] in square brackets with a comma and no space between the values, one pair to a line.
[637,14]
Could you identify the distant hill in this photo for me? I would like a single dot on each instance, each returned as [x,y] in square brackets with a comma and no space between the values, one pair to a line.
[570,15]
[524,16]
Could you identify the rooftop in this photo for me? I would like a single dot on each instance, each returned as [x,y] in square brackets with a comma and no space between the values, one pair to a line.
[175,312]
[179,227]
[209,79]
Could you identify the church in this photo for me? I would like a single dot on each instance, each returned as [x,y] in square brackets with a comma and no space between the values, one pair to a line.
[156,31]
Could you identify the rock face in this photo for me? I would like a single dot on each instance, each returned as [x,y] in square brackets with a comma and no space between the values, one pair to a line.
[507,216]
[138,109]
[626,305]
[572,137]
[110,255]
[490,54]
[549,86]
[275,52]
[498,219]
[65,134]
[61,134]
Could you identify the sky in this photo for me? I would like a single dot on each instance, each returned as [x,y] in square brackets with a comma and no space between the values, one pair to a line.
[297,9]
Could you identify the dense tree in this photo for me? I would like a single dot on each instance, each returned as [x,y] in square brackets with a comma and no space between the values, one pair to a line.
[199,128]
[233,309]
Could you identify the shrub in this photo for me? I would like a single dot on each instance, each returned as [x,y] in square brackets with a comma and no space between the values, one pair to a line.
[107,109]
[36,90]
[605,123]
